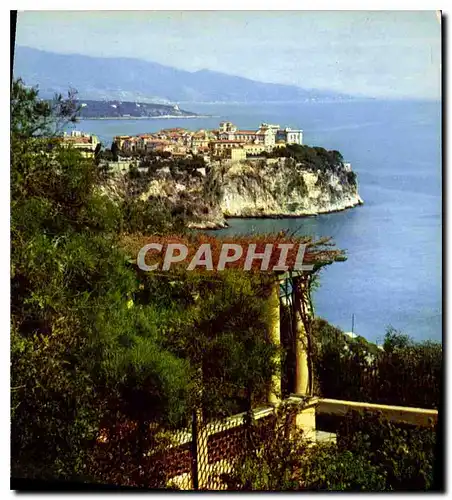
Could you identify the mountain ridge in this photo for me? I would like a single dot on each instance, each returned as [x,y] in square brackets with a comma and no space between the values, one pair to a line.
[123,78]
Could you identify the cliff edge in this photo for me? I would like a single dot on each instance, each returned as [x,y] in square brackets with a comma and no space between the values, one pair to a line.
[284,187]
[207,193]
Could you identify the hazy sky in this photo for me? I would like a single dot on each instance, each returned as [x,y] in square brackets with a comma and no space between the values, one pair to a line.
[381,54]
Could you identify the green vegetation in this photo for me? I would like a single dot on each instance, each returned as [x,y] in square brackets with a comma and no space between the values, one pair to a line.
[314,158]
[371,454]
[403,455]
[297,183]
[404,373]
[155,161]
[94,341]
[352,178]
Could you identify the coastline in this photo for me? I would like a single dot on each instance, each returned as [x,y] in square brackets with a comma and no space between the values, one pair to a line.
[295,216]
[163,117]
[203,226]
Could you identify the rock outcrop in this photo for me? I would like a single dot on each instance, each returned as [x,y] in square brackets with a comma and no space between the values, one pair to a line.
[272,187]
[281,187]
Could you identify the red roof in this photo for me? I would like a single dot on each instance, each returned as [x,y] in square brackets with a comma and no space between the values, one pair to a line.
[77,140]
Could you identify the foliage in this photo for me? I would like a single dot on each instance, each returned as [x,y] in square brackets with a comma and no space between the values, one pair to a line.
[31,116]
[352,178]
[114,151]
[155,216]
[371,454]
[404,373]
[395,340]
[273,455]
[94,340]
[231,318]
[130,453]
[297,183]
[405,456]
[314,158]
[332,469]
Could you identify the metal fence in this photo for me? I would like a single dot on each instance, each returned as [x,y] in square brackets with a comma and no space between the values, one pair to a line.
[198,457]
[212,449]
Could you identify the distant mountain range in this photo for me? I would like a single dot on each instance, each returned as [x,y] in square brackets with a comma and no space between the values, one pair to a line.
[125,79]
[126,109]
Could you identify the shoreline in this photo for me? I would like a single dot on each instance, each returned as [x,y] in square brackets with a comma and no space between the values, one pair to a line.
[273,217]
[294,216]
[163,117]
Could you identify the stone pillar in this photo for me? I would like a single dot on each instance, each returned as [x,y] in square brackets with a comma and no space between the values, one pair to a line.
[305,419]
[274,394]
[301,345]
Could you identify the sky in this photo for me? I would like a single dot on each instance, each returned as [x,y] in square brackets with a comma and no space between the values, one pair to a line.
[386,54]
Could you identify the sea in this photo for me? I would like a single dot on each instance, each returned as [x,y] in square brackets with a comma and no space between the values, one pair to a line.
[393,274]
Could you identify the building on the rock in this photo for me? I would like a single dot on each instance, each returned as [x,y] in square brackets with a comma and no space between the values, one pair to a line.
[85,143]
[218,149]
[217,142]
[235,154]
[290,136]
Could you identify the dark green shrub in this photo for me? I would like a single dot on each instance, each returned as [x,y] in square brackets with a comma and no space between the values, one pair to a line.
[405,373]
[314,158]
[273,455]
[405,455]
[351,178]
[331,469]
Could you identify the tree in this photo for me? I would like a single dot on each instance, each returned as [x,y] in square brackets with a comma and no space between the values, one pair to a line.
[71,288]
[93,339]
[97,152]
[31,116]
[396,340]
[114,151]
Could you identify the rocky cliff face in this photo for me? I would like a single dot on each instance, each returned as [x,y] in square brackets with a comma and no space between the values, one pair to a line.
[274,187]
[282,187]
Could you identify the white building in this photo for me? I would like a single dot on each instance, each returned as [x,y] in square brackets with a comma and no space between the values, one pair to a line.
[290,136]
[86,143]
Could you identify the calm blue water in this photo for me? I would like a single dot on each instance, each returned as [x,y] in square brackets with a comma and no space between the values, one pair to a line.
[393,272]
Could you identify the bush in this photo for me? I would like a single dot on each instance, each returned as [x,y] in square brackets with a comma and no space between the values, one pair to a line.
[404,455]
[351,178]
[372,454]
[272,457]
[331,469]
[404,373]
[314,158]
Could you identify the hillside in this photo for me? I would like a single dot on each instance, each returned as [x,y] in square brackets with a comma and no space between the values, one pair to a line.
[128,79]
[127,109]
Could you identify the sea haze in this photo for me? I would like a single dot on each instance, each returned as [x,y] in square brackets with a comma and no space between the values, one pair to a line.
[393,272]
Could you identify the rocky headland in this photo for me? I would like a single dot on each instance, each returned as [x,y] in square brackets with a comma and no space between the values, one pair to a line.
[207,193]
